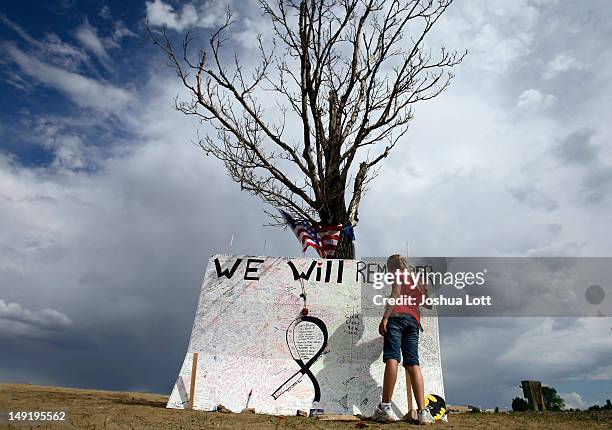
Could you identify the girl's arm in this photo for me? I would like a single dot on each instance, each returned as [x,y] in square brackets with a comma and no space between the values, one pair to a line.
[395,293]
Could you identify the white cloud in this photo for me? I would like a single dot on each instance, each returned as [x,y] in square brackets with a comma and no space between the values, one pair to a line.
[163,14]
[533,99]
[69,150]
[122,31]
[61,53]
[105,12]
[83,91]
[88,36]
[16,80]
[561,63]
[250,28]
[45,318]
[51,47]
[69,153]
[573,400]
[480,27]
[497,52]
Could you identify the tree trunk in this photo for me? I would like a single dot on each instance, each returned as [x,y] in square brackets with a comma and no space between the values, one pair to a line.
[345,248]
[335,212]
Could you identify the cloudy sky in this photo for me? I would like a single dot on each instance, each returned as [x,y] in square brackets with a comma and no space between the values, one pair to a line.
[109,213]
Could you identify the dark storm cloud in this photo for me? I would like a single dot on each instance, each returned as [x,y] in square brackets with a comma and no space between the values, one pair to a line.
[112,356]
[120,251]
[131,302]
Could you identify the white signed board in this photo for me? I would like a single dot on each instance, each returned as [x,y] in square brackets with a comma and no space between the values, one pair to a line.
[256,350]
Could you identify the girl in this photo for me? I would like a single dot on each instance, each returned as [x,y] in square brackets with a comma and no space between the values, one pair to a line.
[400,326]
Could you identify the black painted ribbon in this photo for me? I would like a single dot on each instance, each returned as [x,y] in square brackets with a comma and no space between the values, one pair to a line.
[304,368]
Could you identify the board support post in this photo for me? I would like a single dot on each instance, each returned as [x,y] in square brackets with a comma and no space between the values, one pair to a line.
[194,368]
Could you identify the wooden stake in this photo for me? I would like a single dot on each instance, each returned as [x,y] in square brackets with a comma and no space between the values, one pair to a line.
[194,368]
[412,413]
[408,391]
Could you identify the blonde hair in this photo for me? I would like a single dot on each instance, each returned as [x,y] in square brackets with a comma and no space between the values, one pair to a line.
[397,262]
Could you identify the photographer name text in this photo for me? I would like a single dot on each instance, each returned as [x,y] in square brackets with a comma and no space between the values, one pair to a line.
[467,300]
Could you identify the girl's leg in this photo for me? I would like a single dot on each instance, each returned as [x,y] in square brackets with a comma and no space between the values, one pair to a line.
[389,380]
[416,377]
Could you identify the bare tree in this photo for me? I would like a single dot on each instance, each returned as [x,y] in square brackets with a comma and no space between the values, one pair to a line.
[345,73]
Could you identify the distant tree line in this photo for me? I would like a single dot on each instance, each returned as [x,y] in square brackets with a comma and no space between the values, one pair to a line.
[553,402]
[519,404]
[606,407]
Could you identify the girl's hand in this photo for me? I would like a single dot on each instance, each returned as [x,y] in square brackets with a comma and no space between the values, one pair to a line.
[382,327]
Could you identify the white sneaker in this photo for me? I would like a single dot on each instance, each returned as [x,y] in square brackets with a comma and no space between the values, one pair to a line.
[425,417]
[384,414]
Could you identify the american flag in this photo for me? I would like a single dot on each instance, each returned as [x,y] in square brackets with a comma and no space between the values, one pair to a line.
[324,240]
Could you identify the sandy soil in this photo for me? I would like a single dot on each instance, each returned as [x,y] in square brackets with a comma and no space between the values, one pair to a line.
[92,409]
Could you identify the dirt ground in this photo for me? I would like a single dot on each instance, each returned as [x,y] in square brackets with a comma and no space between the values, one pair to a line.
[108,410]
